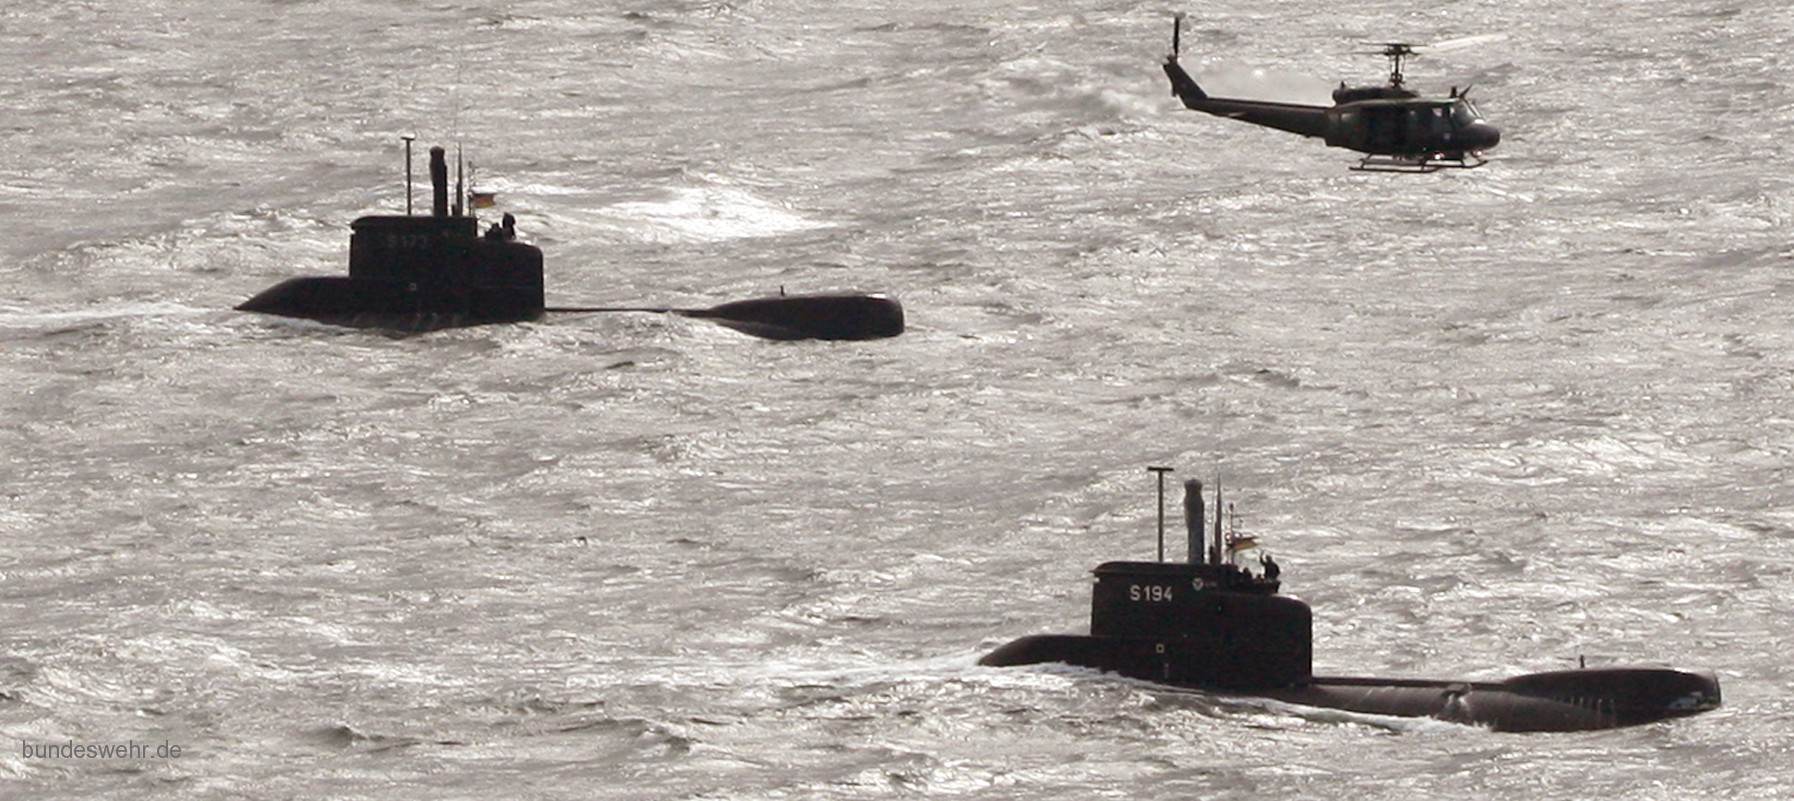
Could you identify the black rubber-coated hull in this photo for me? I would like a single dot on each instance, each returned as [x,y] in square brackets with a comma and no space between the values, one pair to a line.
[404,306]
[1569,700]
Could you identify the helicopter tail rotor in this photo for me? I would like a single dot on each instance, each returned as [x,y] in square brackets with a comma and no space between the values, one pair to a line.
[1182,85]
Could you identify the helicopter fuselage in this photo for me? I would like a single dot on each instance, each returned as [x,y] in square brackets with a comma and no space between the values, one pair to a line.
[1406,127]
[1397,128]
[1410,127]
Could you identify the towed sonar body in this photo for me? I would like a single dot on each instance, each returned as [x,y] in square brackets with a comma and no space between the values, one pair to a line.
[1211,624]
[417,273]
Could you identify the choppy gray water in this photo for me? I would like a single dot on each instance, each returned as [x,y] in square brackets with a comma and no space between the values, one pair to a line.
[1489,421]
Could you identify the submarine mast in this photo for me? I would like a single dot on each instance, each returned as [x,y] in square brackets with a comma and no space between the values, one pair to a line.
[1161,471]
[1220,553]
[409,138]
[1193,517]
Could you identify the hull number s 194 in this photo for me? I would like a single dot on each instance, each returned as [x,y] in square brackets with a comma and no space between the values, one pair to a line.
[1150,593]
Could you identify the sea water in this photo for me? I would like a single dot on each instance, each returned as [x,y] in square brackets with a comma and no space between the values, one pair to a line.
[1489,421]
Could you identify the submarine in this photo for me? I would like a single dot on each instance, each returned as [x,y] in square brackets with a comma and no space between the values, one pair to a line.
[415,273]
[1211,624]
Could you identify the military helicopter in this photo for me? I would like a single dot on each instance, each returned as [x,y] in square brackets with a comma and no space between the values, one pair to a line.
[1398,129]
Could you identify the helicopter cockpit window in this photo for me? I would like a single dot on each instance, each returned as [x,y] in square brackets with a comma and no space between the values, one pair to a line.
[1462,113]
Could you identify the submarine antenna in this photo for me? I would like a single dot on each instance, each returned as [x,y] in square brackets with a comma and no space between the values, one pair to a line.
[460,186]
[1161,471]
[473,180]
[409,138]
[1220,547]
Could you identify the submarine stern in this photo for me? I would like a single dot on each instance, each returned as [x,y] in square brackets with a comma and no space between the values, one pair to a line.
[1628,696]
[840,316]
[1556,701]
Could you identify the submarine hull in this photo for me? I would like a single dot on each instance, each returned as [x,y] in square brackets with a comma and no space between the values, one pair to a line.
[397,305]
[1569,700]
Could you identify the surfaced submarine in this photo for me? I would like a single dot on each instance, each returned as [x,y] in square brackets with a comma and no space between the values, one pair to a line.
[413,273]
[1213,625]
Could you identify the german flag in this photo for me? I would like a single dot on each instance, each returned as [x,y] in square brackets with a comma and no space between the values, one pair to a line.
[1235,544]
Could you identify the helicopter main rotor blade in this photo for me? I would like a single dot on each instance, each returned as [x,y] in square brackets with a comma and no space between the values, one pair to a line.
[1442,46]
[1392,48]
[1465,41]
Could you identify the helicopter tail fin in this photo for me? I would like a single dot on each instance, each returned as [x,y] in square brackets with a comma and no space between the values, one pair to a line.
[1182,85]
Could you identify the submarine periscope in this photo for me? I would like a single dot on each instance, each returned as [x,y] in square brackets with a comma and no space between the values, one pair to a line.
[1211,624]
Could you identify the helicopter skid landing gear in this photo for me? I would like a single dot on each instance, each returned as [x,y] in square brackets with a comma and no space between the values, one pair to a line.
[1460,161]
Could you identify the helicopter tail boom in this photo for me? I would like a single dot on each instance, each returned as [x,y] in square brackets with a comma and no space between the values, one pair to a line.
[1293,117]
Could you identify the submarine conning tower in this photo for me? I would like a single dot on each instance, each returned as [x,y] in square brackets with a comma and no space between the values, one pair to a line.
[493,277]
[420,273]
[1206,621]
